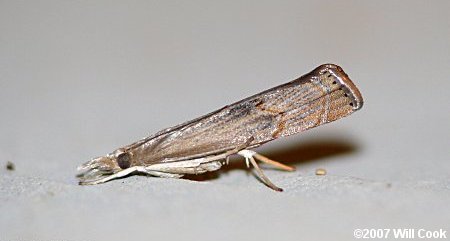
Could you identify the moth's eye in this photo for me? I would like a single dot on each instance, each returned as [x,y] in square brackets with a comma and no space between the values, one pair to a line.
[124,160]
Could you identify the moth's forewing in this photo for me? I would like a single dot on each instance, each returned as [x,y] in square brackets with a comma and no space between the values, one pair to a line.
[321,96]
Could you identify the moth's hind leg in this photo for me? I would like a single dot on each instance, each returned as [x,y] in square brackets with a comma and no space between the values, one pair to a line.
[250,158]
[259,157]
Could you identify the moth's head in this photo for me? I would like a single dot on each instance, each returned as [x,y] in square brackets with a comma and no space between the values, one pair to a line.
[104,166]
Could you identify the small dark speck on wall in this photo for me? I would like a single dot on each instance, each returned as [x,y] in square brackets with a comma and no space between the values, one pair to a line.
[10,166]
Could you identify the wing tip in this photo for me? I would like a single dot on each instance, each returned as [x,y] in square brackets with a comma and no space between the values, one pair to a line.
[343,78]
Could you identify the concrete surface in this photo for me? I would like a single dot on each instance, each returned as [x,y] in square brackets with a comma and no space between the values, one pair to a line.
[81,78]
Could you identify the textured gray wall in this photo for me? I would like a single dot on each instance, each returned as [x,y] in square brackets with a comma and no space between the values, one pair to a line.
[80,78]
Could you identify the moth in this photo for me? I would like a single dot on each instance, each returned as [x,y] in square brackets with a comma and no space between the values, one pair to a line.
[205,144]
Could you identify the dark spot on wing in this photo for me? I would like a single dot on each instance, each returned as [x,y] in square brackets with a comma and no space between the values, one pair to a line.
[241,109]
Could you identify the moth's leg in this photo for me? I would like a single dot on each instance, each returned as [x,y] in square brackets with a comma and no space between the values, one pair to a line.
[131,170]
[162,174]
[273,163]
[264,159]
[249,159]
[115,175]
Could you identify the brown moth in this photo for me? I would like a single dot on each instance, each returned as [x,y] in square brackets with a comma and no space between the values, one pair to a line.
[201,145]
